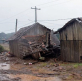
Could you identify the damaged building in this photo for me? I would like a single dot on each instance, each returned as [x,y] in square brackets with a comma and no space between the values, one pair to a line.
[71,40]
[34,40]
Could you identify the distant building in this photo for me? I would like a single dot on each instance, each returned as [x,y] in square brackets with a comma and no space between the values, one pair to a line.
[3,41]
[71,40]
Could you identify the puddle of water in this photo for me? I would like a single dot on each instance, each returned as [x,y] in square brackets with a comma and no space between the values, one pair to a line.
[25,77]
[8,66]
[4,66]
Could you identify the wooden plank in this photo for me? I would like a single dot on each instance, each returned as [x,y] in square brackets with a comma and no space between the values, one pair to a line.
[69,33]
[60,36]
[63,50]
[64,32]
[61,45]
[75,34]
[13,47]
[16,49]
[76,51]
[79,25]
[72,51]
[80,51]
[68,50]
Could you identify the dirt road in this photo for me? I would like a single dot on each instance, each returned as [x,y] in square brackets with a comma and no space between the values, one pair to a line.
[14,69]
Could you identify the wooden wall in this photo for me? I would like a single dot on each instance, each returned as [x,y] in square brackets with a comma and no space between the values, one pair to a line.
[21,48]
[71,50]
[14,48]
[72,32]
[37,30]
[71,43]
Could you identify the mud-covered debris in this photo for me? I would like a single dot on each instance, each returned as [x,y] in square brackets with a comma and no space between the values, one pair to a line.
[56,65]
[42,58]
[25,63]
[39,76]
[59,69]
[76,75]
[16,79]
[30,63]
[53,73]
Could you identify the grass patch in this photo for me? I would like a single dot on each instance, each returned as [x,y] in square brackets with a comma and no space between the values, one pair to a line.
[75,65]
[5,46]
[69,77]
[43,64]
[1,49]
[52,64]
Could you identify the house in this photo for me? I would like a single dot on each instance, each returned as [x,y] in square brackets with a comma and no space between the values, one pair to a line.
[32,39]
[71,40]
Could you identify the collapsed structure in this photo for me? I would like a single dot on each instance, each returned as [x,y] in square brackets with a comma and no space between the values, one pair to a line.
[33,40]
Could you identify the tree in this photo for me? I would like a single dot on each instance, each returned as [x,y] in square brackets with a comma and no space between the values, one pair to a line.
[1,49]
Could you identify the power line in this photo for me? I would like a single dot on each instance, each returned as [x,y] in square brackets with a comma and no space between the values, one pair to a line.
[29,9]
[16,14]
[58,3]
[19,26]
[48,3]
[56,19]
[25,10]
[14,22]
[40,20]
[51,23]
[26,24]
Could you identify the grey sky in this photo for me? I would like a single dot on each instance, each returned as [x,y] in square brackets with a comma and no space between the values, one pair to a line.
[10,10]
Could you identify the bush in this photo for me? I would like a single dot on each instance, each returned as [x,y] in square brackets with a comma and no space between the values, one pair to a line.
[1,49]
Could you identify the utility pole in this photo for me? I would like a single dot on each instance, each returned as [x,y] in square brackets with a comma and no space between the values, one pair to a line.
[36,12]
[16,26]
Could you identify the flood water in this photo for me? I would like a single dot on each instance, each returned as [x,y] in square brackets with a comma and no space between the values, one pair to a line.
[16,70]
[4,66]
[25,77]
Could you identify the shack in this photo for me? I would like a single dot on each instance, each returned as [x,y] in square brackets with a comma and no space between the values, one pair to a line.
[33,39]
[71,40]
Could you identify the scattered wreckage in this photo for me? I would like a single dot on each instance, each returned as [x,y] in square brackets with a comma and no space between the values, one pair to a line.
[35,40]
[40,46]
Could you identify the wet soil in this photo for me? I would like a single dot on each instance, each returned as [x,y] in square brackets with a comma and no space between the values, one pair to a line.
[15,69]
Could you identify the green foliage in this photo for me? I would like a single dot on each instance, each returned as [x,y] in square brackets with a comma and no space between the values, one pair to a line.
[1,49]
[5,36]
[75,65]
[43,64]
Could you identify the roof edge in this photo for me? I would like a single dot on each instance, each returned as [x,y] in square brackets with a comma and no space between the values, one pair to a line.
[68,23]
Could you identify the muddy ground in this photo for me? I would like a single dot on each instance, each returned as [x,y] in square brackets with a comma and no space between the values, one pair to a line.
[14,69]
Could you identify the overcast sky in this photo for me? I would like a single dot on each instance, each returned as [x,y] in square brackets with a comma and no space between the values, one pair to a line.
[51,14]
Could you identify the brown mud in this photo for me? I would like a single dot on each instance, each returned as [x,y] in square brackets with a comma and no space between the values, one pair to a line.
[15,69]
